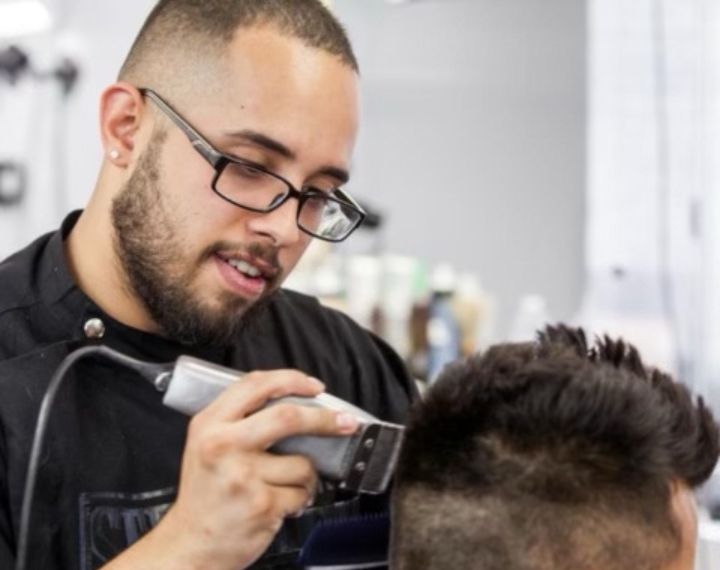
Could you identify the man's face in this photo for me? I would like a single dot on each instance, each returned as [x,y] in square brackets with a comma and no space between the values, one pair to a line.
[185,250]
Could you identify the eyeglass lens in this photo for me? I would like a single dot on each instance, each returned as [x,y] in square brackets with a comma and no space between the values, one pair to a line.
[255,189]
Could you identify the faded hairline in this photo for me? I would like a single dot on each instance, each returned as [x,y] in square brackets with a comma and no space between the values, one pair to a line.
[182,41]
[497,532]
[177,69]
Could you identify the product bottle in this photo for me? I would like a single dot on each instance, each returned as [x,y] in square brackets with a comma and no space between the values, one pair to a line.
[473,308]
[443,328]
[362,288]
[399,273]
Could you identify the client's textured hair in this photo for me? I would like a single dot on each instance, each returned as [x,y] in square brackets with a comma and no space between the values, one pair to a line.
[182,37]
[549,455]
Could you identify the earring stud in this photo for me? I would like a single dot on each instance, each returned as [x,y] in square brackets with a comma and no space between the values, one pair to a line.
[114,154]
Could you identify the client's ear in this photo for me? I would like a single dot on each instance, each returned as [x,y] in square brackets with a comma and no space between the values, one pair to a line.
[684,511]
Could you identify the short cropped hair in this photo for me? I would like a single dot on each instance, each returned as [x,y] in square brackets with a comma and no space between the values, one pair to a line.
[549,455]
[179,37]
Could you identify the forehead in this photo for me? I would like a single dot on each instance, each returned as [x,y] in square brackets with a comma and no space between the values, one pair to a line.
[278,85]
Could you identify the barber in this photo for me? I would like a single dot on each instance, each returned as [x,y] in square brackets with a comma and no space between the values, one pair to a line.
[228,139]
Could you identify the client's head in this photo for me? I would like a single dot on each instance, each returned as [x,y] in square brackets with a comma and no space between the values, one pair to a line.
[552,455]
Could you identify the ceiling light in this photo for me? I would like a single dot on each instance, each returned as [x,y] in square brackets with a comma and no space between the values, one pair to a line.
[23,18]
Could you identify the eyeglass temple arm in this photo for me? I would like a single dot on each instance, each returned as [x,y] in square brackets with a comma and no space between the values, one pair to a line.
[350,200]
[206,149]
[196,139]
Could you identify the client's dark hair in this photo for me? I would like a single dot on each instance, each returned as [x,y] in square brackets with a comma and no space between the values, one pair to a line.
[549,455]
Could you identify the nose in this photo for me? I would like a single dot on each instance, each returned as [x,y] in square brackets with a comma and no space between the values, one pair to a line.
[280,225]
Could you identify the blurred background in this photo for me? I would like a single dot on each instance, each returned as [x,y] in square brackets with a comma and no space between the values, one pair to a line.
[524,162]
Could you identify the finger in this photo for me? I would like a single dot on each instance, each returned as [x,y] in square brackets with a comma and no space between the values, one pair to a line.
[291,501]
[262,429]
[254,389]
[268,505]
[287,471]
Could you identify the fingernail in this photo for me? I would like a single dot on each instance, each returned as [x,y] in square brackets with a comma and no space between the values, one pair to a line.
[346,422]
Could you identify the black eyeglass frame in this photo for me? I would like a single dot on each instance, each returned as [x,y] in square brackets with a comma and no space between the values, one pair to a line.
[219,161]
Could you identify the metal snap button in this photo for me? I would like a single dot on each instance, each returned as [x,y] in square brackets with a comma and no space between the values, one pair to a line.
[94,328]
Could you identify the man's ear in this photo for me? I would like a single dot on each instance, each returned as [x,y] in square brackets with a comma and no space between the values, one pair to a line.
[121,111]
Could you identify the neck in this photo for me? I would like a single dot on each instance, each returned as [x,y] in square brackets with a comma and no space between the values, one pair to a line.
[98,271]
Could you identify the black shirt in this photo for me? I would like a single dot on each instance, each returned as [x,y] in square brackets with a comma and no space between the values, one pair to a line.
[111,460]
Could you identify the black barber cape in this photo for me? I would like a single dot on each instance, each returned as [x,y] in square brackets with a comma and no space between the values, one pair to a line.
[111,460]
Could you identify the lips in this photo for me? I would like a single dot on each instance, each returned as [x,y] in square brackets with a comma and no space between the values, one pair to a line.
[244,267]
[249,265]
[246,275]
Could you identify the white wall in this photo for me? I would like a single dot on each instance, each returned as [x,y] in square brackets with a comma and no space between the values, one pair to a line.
[473,133]
[100,33]
[474,137]
[60,139]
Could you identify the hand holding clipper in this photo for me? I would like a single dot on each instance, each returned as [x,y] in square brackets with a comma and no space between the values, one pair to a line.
[363,462]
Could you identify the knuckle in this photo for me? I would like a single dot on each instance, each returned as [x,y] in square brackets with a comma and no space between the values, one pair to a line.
[239,484]
[295,375]
[211,448]
[244,471]
[288,415]
[280,378]
[253,377]
[195,426]
[261,504]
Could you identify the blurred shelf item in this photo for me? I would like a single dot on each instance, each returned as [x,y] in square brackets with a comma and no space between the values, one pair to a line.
[443,328]
[428,321]
[708,548]
[20,18]
[531,316]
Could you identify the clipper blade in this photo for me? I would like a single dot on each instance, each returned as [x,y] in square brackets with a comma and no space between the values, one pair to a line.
[375,456]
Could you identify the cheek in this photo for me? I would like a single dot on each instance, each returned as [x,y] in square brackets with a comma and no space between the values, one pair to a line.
[291,255]
[186,181]
[204,217]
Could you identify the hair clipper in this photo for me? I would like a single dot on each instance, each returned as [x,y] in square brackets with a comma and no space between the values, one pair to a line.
[363,462]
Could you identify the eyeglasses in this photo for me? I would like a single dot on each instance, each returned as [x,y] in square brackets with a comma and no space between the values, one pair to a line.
[327,213]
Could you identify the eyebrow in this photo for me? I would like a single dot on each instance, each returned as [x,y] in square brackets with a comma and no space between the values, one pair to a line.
[277,147]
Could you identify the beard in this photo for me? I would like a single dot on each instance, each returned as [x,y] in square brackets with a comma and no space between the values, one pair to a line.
[160,273]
